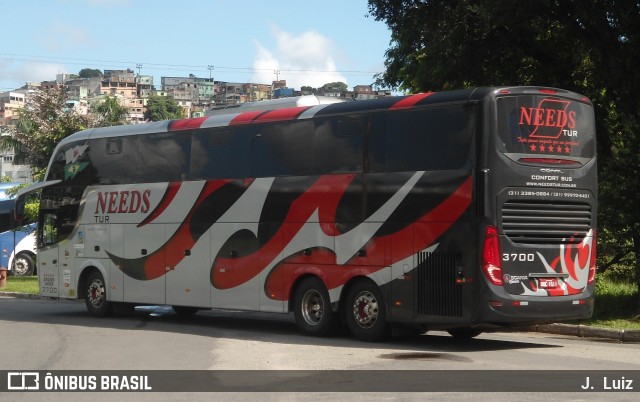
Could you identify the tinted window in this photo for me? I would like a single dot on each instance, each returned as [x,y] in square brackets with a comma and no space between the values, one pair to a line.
[164,157]
[338,144]
[545,126]
[71,163]
[434,138]
[220,153]
[115,159]
[282,149]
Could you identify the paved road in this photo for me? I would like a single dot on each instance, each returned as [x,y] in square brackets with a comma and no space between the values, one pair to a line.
[59,335]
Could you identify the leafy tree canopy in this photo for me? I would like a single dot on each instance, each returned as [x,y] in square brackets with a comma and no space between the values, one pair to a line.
[109,112]
[590,47]
[340,86]
[162,108]
[40,127]
[89,73]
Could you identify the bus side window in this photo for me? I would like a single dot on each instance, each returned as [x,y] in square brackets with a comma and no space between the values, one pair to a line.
[219,153]
[282,149]
[115,160]
[338,144]
[164,157]
[433,138]
[49,229]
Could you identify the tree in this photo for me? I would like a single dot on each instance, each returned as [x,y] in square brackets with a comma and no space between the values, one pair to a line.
[40,127]
[89,73]
[109,112]
[162,108]
[589,47]
[341,86]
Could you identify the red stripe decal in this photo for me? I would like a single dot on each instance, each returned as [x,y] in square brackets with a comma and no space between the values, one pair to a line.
[410,101]
[168,196]
[186,124]
[289,113]
[246,117]
[172,253]
[415,237]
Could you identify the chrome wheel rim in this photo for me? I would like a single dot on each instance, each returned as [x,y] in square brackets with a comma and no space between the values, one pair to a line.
[312,307]
[365,309]
[96,293]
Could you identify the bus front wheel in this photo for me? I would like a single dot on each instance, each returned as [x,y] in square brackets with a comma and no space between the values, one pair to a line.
[96,295]
[312,309]
[365,312]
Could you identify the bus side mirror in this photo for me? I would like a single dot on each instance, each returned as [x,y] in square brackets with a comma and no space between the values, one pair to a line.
[18,211]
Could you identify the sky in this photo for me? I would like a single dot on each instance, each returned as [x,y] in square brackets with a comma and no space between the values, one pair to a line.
[305,42]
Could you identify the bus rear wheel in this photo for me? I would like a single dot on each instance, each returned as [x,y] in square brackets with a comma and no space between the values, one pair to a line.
[96,295]
[464,333]
[312,309]
[365,312]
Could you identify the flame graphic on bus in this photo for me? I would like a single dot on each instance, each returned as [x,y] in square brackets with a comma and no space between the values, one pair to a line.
[307,238]
[575,261]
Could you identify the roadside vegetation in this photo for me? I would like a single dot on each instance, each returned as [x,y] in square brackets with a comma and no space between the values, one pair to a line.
[21,284]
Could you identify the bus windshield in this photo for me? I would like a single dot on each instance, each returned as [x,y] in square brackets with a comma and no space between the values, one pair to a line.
[546,126]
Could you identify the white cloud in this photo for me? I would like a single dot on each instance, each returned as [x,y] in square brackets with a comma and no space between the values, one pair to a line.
[18,72]
[306,59]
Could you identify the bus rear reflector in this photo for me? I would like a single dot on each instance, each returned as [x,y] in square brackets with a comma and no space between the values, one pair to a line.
[491,263]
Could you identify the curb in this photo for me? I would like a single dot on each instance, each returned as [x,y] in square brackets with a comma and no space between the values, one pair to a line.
[586,331]
[20,295]
[580,331]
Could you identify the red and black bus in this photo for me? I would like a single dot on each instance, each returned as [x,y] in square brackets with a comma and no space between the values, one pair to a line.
[458,211]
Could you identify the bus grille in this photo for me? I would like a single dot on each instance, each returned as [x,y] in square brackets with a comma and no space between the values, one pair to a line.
[555,222]
[438,293]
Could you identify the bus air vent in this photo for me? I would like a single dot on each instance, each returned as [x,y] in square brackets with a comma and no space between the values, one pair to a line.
[544,222]
[437,291]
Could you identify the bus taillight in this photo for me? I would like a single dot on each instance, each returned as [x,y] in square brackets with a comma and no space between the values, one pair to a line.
[592,262]
[491,264]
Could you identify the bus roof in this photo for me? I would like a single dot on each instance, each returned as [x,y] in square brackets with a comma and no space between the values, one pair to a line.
[303,107]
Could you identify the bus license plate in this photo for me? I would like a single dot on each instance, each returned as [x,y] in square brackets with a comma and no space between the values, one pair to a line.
[547,283]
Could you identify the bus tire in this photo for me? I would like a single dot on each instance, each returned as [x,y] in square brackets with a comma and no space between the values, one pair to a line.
[365,312]
[96,295]
[464,333]
[312,309]
[23,265]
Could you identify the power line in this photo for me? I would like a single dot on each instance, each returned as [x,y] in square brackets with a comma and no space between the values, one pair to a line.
[164,66]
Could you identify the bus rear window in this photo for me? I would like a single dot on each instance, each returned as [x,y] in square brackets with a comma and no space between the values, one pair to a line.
[545,126]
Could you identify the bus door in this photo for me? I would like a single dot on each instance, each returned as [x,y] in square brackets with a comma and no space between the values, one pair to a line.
[48,260]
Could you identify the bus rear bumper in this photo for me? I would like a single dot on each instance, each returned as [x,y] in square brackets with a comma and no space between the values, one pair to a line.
[535,310]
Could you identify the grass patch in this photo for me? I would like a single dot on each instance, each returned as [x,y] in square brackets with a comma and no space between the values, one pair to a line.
[616,305]
[22,284]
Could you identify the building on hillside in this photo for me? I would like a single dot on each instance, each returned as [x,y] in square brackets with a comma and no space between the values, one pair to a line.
[10,103]
[256,92]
